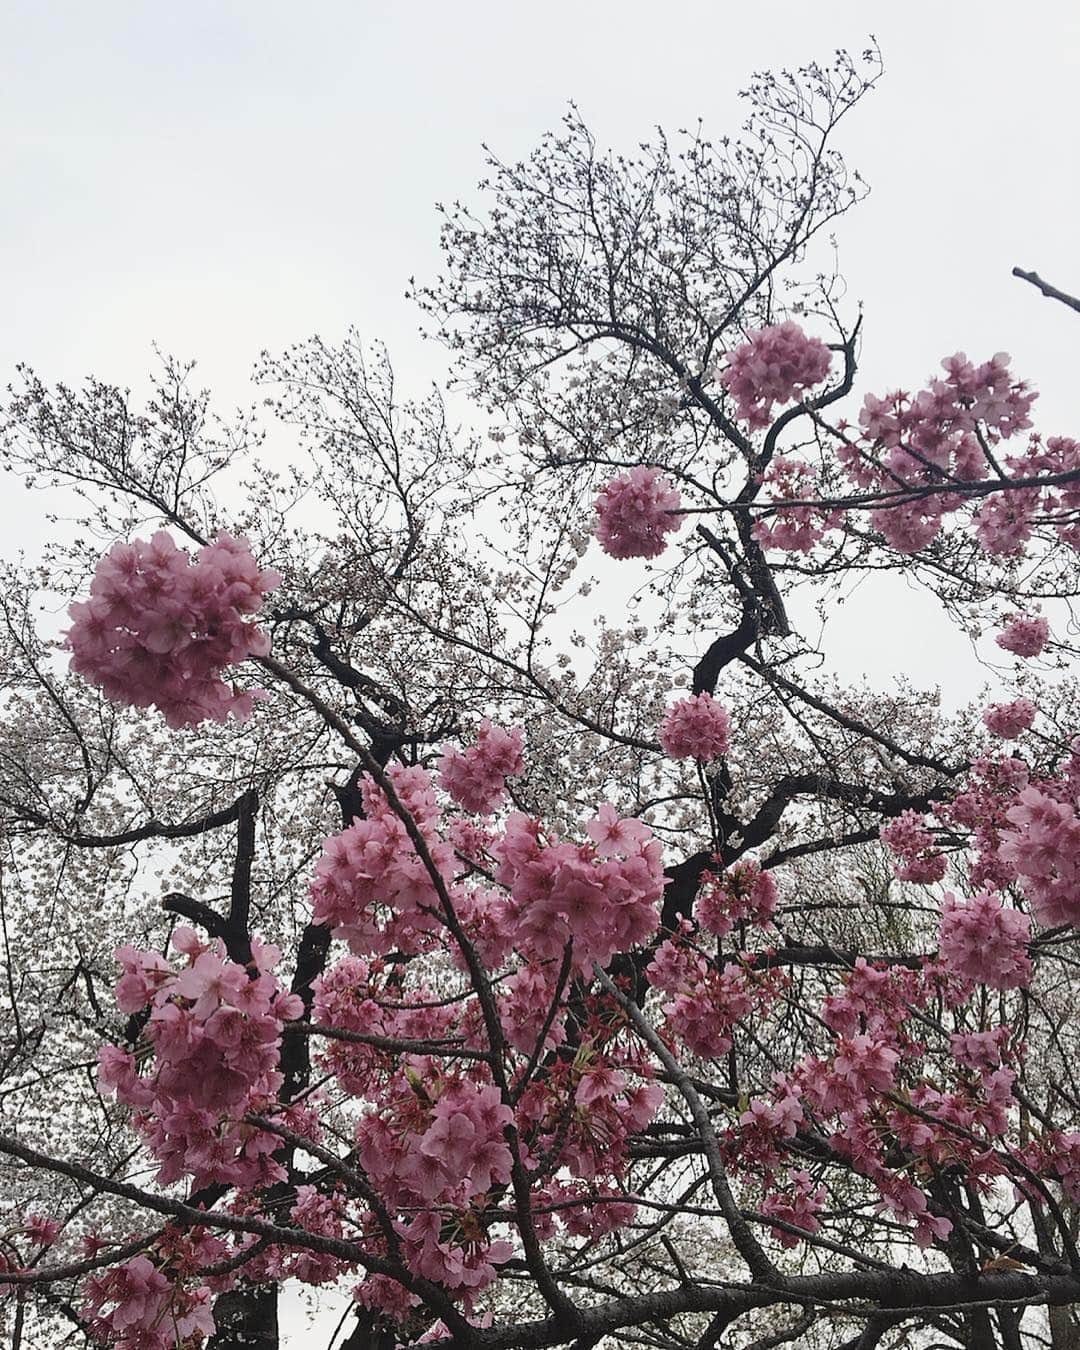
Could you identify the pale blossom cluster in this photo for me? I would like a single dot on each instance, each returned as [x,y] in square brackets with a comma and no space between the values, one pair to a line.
[985,941]
[161,629]
[635,512]
[1009,720]
[698,727]
[476,777]
[1025,635]
[774,365]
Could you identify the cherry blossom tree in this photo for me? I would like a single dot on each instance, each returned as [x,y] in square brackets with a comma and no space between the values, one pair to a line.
[400,898]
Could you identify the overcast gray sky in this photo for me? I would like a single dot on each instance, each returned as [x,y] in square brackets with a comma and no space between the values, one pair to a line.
[222,176]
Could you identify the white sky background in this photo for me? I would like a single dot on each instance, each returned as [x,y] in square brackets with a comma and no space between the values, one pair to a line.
[221,177]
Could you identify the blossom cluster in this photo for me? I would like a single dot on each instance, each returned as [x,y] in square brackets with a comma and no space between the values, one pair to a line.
[214,1028]
[135,1306]
[985,941]
[160,628]
[774,365]
[925,441]
[697,727]
[634,513]
[743,894]
[476,777]
[371,886]
[1009,720]
[1025,635]
[602,896]
[793,528]
[914,844]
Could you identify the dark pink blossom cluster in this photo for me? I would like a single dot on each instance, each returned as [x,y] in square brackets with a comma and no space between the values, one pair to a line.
[795,529]
[432,1150]
[1019,829]
[931,441]
[215,1030]
[872,1095]
[1059,455]
[707,1003]
[919,857]
[160,628]
[603,896]
[697,727]
[635,511]
[797,1202]
[1025,635]
[476,777]
[371,886]
[985,941]
[135,1306]
[774,365]
[1042,845]
[1009,720]
[743,894]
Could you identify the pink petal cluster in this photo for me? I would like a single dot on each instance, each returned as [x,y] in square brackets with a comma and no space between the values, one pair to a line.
[742,894]
[1025,635]
[1042,844]
[697,727]
[985,941]
[1060,455]
[774,365]
[1009,720]
[919,857]
[134,1306]
[793,528]
[371,886]
[160,629]
[799,1203]
[931,440]
[215,1030]
[476,778]
[635,511]
[603,896]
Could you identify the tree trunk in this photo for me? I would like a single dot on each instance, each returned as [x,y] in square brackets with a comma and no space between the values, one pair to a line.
[246,1318]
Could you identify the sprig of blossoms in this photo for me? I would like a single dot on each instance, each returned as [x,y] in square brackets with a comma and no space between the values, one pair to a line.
[697,727]
[774,365]
[160,628]
[635,511]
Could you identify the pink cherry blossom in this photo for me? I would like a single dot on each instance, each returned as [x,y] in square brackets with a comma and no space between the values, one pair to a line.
[774,365]
[476,777]
[160,630]
[985,941]
[697,727]
[635,511]
[1009,720]
[1025,635]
